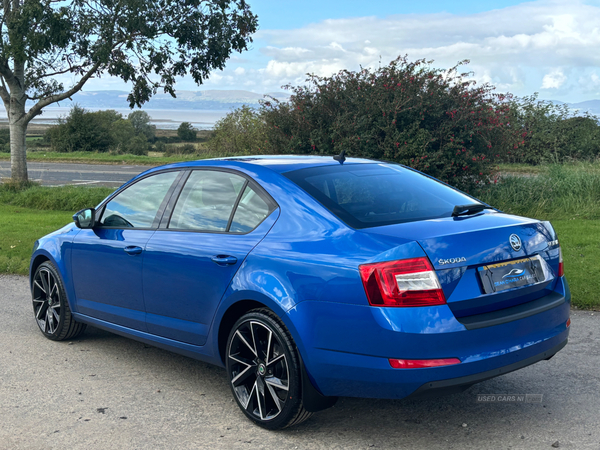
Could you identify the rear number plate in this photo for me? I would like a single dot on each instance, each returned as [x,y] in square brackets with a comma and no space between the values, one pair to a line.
[512,274]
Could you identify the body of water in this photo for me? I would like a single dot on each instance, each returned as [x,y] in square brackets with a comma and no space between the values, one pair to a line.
[163,119]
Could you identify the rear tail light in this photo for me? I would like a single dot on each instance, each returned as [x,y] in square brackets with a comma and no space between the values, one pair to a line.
[561,265]
[408,282]
[422,363]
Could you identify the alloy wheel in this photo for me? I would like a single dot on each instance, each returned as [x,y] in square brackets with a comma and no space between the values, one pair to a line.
[259,370]
[47,303]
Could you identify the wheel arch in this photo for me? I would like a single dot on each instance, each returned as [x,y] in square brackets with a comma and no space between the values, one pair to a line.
[42,255]
[231,315]
[313,399]
[35,263]
[39,257]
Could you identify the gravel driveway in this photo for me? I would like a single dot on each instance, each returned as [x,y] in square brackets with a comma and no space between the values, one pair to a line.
[107,392]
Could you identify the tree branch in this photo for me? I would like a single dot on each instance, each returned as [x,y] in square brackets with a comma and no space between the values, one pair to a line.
[37,108]
[6,73]
[5,95]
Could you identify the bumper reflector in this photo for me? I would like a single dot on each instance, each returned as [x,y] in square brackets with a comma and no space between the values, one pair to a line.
[422,363]
[568,322]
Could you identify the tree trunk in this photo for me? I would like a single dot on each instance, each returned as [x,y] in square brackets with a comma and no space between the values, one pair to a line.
[18,154]
[17,123]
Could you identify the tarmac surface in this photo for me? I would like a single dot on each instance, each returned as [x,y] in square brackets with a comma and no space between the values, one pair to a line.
[102,391]
[58,174]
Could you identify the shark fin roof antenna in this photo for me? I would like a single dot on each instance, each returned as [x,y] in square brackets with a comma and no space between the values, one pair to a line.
[341,157]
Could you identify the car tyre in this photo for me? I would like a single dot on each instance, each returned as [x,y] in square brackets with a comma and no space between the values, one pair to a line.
[50,306]
[264,371]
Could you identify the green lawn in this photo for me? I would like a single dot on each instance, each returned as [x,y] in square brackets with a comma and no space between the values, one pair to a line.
[19,229]
[580,243]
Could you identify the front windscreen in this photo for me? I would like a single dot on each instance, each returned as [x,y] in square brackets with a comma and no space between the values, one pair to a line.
[372,195]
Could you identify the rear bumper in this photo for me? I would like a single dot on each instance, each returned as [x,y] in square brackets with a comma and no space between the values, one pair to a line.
[346,347]
[459,384]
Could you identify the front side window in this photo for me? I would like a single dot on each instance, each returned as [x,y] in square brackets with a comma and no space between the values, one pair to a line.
[137,205]
[206,201]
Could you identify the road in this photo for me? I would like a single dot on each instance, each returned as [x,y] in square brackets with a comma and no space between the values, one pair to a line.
[58,174]
[104,391]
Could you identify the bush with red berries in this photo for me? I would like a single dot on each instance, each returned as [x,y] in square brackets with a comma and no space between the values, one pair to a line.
[439,122]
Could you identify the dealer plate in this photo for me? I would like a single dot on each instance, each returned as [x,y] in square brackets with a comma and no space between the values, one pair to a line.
[511,274]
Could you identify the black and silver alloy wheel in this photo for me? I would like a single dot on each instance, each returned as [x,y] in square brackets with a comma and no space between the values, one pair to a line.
[263,370]
[50,305]
[46,301]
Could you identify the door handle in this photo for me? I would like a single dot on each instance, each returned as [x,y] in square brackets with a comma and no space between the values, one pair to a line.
[133,250]
[224,260]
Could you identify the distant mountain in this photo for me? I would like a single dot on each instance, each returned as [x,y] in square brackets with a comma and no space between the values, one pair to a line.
[186,100]
[220,100]
[591,106]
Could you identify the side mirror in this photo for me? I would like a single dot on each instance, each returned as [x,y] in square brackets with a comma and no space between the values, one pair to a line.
[85,218]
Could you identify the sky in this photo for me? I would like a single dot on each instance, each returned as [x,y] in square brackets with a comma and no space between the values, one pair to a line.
[548,46]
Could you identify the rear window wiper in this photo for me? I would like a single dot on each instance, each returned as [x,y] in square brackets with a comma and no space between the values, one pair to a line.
[465,210]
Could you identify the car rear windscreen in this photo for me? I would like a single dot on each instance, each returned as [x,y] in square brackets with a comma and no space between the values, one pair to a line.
[372,195]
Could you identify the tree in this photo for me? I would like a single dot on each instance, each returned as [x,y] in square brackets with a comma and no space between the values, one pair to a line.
[141,124]
[186,132]
[50,49]
[242,131]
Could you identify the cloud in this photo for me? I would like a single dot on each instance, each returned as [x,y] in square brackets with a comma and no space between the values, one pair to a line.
[520,48]
[554,79]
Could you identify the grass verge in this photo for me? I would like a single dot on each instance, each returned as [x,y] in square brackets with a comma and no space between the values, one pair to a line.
[19,229]
[580,243]
[104,158]
[558,192]
[153,158]
[62,198]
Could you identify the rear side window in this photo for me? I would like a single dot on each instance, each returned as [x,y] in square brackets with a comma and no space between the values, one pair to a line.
[207,200]
[370,195]
[251,211]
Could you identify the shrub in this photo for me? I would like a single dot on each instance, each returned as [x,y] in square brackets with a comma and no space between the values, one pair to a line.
[160,146]
[438,122]
[240,132]
[121,133]
[137,145]
[100,131]
[186,132]
[550,133]
[82,131]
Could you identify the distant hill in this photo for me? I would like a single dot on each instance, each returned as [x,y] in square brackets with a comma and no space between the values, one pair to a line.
[219,100]
[186,100]
[591,106]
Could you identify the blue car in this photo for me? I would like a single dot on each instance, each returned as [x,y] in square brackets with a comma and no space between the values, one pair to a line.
[309,278]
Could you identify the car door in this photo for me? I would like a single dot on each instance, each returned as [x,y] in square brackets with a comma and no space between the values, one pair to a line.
[218,217]
[107,260]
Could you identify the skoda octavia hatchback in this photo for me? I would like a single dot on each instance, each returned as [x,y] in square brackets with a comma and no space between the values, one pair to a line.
[309,278]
